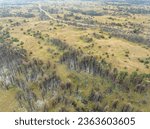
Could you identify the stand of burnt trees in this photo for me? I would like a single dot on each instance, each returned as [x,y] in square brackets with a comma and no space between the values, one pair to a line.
[89,64]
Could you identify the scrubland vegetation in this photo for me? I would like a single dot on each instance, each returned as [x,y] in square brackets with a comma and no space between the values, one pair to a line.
[75,56]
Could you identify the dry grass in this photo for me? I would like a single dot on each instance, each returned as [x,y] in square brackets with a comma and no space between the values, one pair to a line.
[71,35]
[8,102]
